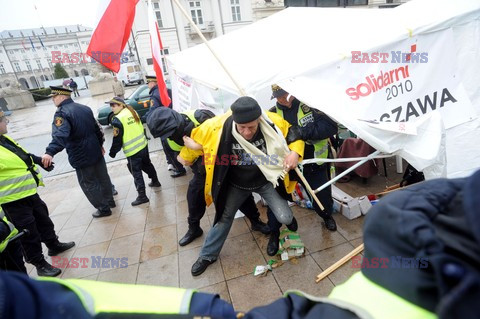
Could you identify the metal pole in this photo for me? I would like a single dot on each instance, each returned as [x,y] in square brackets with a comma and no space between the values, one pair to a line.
[330,182]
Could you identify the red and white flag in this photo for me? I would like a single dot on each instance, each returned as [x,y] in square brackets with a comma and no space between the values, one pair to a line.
[112,33]
[156,44]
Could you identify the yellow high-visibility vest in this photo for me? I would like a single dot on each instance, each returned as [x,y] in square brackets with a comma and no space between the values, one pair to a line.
[191,115]
[13,231]
[320,146]
[134,139]
[16,180]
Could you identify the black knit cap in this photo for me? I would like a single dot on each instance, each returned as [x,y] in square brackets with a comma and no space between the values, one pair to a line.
[245,109]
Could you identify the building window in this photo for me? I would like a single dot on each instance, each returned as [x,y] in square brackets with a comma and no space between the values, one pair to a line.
[75,45]
[29,67]
[149,61]
[2,69]
[164,64]
[196,12]
[17,66]
[235,10]
[22,50]
[55,47]
[39,64]
[158,15]
[11,52]
[44,48]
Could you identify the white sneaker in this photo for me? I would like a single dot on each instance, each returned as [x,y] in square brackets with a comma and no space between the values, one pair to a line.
[171,167]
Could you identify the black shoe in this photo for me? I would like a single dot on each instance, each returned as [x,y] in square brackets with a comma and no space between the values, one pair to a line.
[330,223]
[112,204]
[178,173]
[272,247]
[190,236]
[200,266]
[140,200]
[99,214]
[260,226]
[293,225]
[114,192]
[155,184]
[46,270]
[58,247]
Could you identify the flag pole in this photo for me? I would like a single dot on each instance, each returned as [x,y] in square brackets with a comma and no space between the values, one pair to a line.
[240,89]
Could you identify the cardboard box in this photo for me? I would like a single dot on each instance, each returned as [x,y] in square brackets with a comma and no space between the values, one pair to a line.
[345,204]
[290,245]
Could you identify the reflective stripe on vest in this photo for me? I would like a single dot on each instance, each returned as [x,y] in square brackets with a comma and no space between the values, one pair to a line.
[104,297]
[134,139]
[376,300]
[16,181]
[13,231]
[320,146]
[191,116]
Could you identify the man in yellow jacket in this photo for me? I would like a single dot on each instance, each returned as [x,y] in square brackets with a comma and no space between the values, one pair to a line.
[244,152]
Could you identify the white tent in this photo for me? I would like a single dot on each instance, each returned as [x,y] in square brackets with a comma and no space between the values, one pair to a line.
[419,100]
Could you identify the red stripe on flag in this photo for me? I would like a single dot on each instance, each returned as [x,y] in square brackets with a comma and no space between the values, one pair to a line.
[112,33]
[156,45]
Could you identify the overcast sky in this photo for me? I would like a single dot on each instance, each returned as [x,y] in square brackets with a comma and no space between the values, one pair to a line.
[21,14]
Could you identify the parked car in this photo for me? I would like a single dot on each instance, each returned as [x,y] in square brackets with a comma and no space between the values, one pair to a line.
[139,100]
[130,73]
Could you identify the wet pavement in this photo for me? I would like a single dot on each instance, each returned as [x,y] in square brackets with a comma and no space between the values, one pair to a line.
[146,236]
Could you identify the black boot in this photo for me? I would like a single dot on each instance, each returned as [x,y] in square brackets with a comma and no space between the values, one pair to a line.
[191,235]
[46,270]
[272,247]
[330,223]
[57,247]
[293,225]
[141,199]
[176,173]
[155,183]
[260,226]
[99,213]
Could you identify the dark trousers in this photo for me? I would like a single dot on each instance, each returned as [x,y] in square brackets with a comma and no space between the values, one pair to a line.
[31,213]
[141,162]
[96,185]
[316,175]
[171,156]
[196,198]
[11,258]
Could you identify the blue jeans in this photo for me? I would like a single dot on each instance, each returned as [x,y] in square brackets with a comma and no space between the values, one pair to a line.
[218,233]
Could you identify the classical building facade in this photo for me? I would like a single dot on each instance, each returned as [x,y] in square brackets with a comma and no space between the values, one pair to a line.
[28,56]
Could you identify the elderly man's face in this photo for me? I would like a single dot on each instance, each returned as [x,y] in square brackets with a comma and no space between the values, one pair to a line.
[3,125]
[248,130]
[57,99]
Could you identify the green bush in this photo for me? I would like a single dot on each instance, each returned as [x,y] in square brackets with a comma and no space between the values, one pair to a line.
[40,94]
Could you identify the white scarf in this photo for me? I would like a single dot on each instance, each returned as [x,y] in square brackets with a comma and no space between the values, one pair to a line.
[275,145]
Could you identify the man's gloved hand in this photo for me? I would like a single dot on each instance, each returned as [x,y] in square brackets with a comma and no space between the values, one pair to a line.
[294,134]
[49,168]
[38,160]
[112,155]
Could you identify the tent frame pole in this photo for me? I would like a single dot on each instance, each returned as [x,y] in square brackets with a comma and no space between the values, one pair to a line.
[240,89]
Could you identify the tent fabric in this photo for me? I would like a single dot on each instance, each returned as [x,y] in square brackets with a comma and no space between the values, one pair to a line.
[421,109]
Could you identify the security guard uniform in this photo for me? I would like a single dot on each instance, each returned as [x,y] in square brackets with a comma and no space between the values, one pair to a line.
[128,134]
[75,129]
[314,128]
[19,178]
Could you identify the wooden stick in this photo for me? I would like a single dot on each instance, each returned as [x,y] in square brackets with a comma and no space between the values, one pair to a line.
[309,189]
[200,34]
[339,263]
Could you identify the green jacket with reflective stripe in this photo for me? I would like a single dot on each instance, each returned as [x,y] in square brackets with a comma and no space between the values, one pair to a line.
[134,139]
[16,181]
[114,298]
